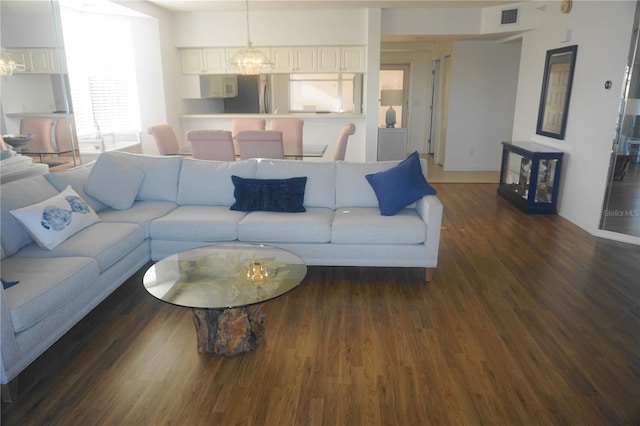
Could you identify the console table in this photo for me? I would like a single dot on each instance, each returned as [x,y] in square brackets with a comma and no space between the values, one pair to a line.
[530,176]
[392,143]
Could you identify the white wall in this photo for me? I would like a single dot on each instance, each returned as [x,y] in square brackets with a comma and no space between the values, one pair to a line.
[272,28]
[484,77]
[602,31]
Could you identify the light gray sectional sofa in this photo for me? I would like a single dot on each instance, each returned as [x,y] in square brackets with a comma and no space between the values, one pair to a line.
[169,204]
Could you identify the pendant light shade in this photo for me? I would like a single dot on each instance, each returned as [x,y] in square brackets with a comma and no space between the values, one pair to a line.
[249,60]
[8,64]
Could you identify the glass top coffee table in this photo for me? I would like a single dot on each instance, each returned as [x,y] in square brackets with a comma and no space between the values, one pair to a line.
[225,286]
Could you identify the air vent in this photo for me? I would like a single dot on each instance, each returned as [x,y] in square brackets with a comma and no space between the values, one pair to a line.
[509,16]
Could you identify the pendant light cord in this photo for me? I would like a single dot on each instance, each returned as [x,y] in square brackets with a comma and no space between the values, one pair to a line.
[248,36]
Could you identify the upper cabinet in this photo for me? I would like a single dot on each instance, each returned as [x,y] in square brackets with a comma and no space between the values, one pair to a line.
[294,59]
[38,61]
[341,59]
[285,59]
[203,61]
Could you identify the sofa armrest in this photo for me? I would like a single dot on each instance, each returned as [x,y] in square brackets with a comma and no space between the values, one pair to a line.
[430,210]
[9,352]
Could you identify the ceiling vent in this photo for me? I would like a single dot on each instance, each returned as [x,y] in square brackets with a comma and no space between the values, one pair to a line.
[509,16]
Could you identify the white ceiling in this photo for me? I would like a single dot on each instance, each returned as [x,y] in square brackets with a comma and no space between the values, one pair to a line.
[203,5]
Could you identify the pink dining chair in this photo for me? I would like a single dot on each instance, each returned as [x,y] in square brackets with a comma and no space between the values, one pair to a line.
[260,144]
[67,140]
[341,146]
[166,139]
[291,129]
[242,124]
[41,142]
[211,145]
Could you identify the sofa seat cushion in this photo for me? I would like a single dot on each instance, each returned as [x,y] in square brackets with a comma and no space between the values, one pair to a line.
[365,225]
[312,226]
[142,213]
[45,285]
[105,242]
[197,223]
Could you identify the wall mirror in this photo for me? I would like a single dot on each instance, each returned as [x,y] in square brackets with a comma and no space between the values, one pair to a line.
[556,91]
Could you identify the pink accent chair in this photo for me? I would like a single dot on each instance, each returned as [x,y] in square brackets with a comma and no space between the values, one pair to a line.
[341,146]
[41,142]
[166,139]
[260,144]
[211,145]
[67,140]
[291,129]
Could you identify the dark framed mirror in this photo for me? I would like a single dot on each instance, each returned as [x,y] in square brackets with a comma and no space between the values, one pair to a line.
[556,91]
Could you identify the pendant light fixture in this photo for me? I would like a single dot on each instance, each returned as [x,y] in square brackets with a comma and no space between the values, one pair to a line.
[249,60]
[8,64]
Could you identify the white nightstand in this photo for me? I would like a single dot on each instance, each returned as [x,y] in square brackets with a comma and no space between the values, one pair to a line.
[392,144]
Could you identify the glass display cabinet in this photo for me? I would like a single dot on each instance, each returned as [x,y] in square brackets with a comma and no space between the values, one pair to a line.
[530,176]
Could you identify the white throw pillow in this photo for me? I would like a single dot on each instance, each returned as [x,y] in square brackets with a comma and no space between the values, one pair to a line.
[52,221]
[114,183]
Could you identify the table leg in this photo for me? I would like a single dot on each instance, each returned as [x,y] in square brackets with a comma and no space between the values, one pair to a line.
[229,332]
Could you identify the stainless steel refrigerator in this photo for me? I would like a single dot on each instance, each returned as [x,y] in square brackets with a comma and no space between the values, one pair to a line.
[253,96]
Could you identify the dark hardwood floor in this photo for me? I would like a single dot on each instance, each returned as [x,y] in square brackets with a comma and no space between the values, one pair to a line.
[529,320]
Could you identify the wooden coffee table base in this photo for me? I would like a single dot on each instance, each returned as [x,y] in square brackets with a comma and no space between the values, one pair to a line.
[229,332]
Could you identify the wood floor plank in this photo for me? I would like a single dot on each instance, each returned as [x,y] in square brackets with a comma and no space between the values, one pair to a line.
[528,320]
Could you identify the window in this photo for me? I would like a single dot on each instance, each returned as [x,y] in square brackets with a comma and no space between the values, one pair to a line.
[322,92]
[100,60]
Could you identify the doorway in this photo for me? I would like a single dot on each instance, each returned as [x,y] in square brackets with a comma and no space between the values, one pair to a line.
[394,77]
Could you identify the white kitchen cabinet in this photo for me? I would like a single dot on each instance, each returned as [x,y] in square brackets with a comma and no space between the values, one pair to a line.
[192,61]
[392,144]
[329,59]
[352,59]
[211,60]
[306,59]
[294,59]
[282,59]
[341,59]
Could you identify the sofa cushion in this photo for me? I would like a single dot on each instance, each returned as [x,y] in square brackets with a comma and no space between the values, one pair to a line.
[205,182]
[400,186]
[14,195]
[141,212]
[45,285]
[114,183]
[52,221]
[365,225]
[321,178]
[353,189]
[197,223]
[313,226]
[77,177]
[160,174]
[274,195]
[105,242]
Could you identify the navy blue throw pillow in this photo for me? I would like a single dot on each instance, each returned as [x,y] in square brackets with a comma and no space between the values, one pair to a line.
[7,284]
[272,195]
[400,186]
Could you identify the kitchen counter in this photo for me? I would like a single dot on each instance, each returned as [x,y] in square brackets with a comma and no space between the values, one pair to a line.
[302,115]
